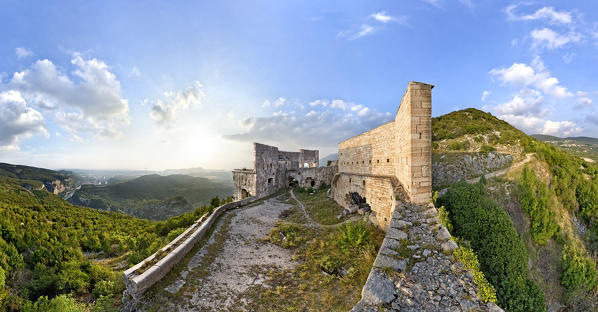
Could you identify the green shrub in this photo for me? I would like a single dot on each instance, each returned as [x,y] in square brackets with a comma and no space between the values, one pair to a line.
[175,233]
[60,303]
[579,270]
[104,288]
[443,216]
[353,234]
[286,235]
[534,199]
[470,261]
[487,148]
[458,145]
[587,197]
[501,252]
[105,304]
[2,279]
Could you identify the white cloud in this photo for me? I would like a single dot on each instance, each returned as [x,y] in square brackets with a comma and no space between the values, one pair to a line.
[584,102]
[536,75]
[23,52]
[135,72]
[561,128]
[167,109]
[384,17]
[522,105]
[365,30]
[548,13]
[276,103]
[18,120]
[548,38]
[533,125]
[321,126]
[485,95]
[94,96]
[319,102]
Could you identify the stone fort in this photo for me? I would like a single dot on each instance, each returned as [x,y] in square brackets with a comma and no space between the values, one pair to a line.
[375,169]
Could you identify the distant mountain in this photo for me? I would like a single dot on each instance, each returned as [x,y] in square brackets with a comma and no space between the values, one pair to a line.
[324,161]
[35,178]
[584,147]
[152,196]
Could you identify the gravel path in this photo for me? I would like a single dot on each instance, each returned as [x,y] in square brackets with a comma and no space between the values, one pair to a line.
[233,260]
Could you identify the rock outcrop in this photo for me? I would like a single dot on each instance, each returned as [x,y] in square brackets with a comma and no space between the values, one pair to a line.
[453,167]
[415,269]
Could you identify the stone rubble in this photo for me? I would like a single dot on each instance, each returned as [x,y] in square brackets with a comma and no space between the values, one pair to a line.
[415,269]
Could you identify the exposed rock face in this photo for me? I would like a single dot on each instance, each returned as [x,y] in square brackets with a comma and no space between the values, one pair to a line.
[415,269]
[58,186]
[454,167]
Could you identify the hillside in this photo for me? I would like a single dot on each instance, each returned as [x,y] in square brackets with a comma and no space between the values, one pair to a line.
[550,195]
[151,196]
[584,147]
[39,178]
[50,248]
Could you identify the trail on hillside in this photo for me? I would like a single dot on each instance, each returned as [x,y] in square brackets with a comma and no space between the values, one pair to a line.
[528,158]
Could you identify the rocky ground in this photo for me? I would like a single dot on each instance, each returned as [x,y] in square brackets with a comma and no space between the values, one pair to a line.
[415,269]
[234,259]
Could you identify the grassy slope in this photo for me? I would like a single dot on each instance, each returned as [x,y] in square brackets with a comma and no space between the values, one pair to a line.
[472,129]
[152,196]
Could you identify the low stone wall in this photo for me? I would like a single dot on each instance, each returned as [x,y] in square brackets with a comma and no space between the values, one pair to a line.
[137,284]
[415,269]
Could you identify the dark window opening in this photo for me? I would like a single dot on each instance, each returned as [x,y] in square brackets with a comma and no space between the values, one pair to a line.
[387,160]
[270,180]
[420,135]
[363,182]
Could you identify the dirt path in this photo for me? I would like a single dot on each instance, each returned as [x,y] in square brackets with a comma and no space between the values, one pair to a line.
[234,259]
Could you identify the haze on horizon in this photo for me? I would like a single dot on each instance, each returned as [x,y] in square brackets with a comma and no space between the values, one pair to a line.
[162,85]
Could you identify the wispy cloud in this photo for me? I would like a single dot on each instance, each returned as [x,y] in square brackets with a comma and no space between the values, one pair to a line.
[166,110]
[548,38]
[548,13]
[385,18]
[23,52]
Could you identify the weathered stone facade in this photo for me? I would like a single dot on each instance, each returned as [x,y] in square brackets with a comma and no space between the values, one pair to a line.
[390,161]
[274,169]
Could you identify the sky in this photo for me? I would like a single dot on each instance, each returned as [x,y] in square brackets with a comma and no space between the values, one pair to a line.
[179,84]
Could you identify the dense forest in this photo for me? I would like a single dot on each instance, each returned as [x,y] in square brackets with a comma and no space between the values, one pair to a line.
[58,257]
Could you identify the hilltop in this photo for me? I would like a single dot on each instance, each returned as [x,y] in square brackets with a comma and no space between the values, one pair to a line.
[584,147]
[152,196]
[550,195]
[39,178]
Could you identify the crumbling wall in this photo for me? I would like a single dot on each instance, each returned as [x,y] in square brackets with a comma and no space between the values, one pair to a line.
[378,192]
[244,183]
[266,168]
[312,177]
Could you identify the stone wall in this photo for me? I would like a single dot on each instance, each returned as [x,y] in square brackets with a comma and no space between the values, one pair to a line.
[399,150]
[244,183]
[272,168]
[378,192]
[424,275]
[312,177]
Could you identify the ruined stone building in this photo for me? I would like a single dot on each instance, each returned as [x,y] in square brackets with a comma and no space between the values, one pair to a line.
[374,169]
[390,162]
[274,169]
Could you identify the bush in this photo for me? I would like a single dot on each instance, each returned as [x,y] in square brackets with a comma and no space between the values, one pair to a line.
[2,278]
[501,253]
[534,199]
[104,288]
[353,234]
[61,303]
[286,235]
[470,261]
[175,233]
[579,270]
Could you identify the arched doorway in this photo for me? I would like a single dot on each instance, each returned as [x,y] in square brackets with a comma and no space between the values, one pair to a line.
[244,194]
[292,182]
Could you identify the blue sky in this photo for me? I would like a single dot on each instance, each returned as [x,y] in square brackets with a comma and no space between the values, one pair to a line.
[173,84]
